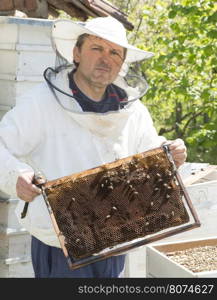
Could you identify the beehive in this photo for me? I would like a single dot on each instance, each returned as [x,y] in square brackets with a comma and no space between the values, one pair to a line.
[25,51]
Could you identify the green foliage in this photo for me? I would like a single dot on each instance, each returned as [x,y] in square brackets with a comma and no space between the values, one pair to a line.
[183,73]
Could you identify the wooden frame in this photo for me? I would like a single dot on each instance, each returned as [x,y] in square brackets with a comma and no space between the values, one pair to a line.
[123,247]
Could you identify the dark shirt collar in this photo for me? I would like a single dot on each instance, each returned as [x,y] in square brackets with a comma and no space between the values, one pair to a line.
[111,100]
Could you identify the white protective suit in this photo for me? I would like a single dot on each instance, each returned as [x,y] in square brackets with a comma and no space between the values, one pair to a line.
[38,134]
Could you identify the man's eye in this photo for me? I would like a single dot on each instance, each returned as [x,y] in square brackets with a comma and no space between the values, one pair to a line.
[113,52]
[116,54]
[96,48]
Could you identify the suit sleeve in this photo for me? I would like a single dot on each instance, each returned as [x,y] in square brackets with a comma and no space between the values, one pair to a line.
[19,135]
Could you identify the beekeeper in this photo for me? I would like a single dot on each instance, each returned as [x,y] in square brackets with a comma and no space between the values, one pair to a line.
[86,113]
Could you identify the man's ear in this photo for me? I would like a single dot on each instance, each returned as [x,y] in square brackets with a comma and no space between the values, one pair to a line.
[76,54]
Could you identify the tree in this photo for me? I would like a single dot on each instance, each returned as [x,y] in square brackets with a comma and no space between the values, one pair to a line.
[183,73]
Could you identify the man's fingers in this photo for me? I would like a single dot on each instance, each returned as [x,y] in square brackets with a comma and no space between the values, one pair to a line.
[29,191]
[178,143]
[30,187]
[179,156]
[28,197]
[178,150]
[34,189]
[26,190]
[27,194]
[177,147]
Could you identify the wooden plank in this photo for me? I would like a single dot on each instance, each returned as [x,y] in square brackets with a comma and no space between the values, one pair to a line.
[6,5]
[183,245]
[19,4]
[31,5]
[71,9]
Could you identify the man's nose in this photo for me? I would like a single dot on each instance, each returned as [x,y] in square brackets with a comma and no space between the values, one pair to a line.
[106,56]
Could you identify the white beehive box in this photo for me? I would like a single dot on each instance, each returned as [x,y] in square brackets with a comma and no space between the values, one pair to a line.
[15,260]
[25,52]
[159,265]
[202,189]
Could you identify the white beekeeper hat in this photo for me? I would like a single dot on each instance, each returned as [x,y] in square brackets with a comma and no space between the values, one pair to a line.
[66,32]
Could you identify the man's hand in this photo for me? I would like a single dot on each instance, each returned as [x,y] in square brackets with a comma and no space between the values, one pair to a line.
[26,190]
[178,150]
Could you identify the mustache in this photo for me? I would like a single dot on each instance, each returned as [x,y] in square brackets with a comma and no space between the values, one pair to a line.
[104,66]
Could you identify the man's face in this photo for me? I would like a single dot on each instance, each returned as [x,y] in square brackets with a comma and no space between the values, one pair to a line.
[99,60]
